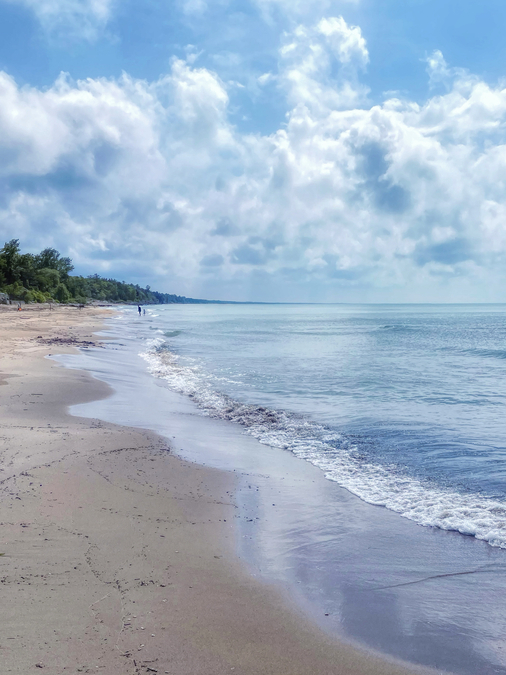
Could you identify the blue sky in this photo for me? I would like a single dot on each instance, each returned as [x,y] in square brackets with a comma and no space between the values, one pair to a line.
[322,150]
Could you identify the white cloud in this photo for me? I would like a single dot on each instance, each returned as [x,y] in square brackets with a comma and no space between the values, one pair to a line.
[70,18]
[319,64]
[437,68]
[193,7]
[265,79]
[151,180]
[297,10]
[346,41]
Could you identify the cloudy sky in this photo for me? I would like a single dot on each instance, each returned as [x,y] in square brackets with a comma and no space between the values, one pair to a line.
[298,150]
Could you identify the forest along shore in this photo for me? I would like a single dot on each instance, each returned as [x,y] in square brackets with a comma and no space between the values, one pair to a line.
[116,556]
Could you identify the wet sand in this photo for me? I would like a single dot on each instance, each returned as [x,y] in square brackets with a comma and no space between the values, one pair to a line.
[115,555]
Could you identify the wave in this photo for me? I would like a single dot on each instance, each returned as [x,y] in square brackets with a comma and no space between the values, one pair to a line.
[398,328]
[477,351]
[337,455]
[490,353]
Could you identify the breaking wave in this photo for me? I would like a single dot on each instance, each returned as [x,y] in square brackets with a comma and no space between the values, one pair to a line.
[339,457]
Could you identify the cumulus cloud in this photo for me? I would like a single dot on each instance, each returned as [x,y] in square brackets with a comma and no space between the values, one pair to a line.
[70,18]
[319,64]
[150,179]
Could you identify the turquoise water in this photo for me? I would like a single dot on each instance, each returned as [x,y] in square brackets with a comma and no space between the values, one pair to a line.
[403,405]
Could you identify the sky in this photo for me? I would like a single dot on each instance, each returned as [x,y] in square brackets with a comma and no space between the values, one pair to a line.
[260,150]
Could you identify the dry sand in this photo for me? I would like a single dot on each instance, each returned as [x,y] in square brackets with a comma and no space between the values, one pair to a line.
[116,556]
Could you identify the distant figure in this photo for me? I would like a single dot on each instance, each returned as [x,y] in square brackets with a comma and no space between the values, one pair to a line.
[144,312]
[19,306]
[139,308]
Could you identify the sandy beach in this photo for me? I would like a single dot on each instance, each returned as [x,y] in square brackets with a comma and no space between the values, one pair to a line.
[116,556]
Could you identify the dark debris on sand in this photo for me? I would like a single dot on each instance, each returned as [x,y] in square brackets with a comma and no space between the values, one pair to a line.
[67,341]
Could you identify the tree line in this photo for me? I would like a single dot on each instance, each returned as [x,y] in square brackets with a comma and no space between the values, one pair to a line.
[45,277]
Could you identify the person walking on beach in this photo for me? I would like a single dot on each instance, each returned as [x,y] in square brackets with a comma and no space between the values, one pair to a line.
[139,308]
[144,312]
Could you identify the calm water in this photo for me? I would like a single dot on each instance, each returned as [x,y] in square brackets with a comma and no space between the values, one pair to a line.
[403,405]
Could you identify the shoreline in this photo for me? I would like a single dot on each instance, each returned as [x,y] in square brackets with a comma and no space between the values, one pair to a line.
[118,556]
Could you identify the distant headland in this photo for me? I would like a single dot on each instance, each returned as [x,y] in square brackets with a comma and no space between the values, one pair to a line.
[45,277]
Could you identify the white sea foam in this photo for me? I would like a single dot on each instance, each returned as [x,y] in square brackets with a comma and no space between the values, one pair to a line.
[468,513]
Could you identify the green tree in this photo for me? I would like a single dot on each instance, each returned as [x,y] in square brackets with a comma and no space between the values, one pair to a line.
[27,270]
[62,294]
[50,258]
[47,279]
[38,277]
[10,261]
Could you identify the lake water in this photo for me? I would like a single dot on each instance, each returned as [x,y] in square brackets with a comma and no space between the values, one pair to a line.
[329,414]
[402,405]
